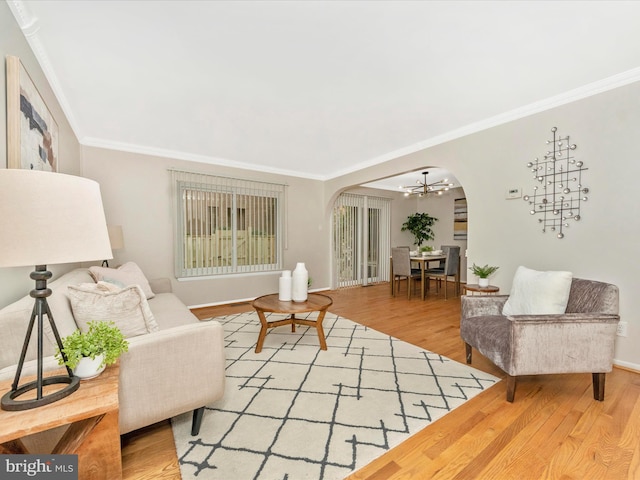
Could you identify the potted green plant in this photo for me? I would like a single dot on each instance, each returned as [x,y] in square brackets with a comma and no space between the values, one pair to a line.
[88,353]
[483,273]
[419,224]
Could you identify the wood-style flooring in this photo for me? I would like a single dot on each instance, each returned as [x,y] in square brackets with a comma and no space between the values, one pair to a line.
[553,430]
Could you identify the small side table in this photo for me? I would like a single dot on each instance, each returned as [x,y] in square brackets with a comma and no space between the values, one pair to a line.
[270,303]
[474,287]
[92,415]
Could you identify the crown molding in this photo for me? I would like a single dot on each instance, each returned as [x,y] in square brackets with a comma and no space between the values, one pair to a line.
[30,27]
[591,89]
[192,157]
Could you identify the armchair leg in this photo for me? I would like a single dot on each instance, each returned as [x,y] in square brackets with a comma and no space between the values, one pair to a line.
[598,386]
[511,388]
[468,351]
[198,413]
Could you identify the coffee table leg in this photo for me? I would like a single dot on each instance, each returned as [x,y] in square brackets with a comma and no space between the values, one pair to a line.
[263,330]
[323,343]
[293,322]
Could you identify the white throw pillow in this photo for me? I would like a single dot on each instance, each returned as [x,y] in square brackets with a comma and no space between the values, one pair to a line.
[123,276]
[127,307]
[535,292]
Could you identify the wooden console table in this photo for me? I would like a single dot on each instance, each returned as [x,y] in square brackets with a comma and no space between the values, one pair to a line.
[270,303]
[93,434]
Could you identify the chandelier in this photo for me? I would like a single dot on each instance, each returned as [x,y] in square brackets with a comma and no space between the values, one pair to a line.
[423,188]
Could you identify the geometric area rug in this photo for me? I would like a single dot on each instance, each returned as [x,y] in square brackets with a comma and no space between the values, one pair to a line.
[294,411]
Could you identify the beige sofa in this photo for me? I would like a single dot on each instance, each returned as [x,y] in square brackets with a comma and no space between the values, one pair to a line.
[176,369]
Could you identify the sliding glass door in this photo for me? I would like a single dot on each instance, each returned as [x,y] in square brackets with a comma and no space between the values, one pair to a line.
[361,240]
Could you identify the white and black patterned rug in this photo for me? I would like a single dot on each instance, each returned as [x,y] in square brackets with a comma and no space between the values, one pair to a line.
[294,411]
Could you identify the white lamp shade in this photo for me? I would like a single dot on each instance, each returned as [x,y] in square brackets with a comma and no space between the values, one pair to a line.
[50,218]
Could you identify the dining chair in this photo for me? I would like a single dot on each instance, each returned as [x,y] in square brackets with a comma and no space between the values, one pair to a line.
[401,264]
[449,269]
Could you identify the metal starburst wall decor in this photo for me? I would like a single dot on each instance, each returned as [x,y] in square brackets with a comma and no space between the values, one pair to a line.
[559,192]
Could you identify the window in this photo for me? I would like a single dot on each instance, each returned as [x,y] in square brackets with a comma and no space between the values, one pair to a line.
[361,239]
[226,225]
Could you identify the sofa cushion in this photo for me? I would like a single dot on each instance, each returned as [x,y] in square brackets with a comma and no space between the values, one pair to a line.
[126,307]
[170,312]
[535,292]
[61,308]
[123,276]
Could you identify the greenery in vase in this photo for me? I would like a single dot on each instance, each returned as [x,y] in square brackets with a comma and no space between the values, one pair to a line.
[420,225]
[483,272]
[102,338]
[426,248]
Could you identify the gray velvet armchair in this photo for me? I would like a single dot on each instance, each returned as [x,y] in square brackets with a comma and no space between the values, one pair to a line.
[578,341]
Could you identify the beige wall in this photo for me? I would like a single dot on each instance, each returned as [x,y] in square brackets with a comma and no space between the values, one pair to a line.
[136,190]
[15,282]
[137,195]
[502,232]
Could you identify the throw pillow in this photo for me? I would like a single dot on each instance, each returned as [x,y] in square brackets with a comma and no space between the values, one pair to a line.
[127,307]
[535,292]
[125,275]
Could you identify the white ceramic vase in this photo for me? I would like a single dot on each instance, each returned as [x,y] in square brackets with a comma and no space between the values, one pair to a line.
[483,282]
[284,286]
[89,367]
[299,283]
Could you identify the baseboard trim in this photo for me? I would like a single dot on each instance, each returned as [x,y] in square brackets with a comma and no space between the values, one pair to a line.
[242,300]
[632,367]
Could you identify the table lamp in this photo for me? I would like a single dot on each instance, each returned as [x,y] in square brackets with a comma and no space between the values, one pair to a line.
[116,238]
[47,218]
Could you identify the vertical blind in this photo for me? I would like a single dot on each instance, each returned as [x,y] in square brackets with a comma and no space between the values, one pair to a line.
[361,239]
[227,225]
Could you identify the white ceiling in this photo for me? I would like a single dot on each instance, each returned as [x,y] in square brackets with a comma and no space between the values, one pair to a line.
[415,179]
[319,89]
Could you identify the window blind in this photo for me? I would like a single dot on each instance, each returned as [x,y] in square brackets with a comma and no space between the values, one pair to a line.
[361,239]
[227,225]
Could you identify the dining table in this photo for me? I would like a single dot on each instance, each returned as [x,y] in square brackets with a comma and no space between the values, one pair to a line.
[423,261]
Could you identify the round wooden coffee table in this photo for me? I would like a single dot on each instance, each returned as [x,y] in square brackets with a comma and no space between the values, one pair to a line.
[270,303]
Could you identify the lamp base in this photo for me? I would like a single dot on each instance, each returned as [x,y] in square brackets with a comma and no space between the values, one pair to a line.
[10,403]
[40,309]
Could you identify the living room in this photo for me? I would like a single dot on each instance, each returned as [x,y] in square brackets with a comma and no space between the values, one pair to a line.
[602,117]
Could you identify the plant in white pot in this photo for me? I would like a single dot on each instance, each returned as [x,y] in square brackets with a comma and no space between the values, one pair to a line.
[88,353]
[483,273]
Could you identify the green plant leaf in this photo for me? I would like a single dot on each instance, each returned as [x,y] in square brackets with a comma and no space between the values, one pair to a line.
[101,338]
[419,224]
[483,272]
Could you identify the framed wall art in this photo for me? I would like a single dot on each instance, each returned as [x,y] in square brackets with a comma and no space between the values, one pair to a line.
[460,219]
[32,132]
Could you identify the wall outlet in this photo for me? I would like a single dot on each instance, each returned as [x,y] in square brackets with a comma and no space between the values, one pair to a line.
[622,329]
[513,192]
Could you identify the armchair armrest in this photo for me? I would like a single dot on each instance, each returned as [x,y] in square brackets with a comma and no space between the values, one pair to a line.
[481,306]
[170,372]
[569,318]
[566,343]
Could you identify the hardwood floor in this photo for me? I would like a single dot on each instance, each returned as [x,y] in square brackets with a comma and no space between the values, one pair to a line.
[553,430]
